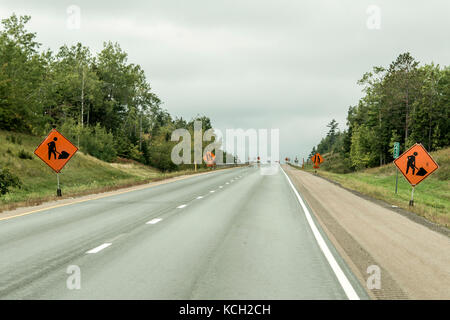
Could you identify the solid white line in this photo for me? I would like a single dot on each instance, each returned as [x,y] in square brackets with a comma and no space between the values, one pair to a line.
[99,248]
[154,221]
[182,206]
[344,282]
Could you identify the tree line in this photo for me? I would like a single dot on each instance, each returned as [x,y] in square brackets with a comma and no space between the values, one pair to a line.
[404,102]
[99,101]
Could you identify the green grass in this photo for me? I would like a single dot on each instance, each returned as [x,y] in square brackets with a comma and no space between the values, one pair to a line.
[431,196]
[82,175]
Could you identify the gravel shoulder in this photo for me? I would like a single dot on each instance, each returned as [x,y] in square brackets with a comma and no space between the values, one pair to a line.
[414,259]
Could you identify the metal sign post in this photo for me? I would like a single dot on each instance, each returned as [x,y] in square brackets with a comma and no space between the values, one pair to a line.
[411,202]
[58,190]
[56,151]
[396,180]
[396,154]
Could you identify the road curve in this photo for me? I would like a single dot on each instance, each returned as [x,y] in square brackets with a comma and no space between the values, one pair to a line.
[231,234]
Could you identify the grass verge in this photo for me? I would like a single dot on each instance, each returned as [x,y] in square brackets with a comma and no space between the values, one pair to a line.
[431,196]
[82,175]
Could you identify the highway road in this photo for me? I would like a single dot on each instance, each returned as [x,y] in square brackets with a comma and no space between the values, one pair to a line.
[230,234]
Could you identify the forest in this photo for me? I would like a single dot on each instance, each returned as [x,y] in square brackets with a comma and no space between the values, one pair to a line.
[102,103]
[405,102]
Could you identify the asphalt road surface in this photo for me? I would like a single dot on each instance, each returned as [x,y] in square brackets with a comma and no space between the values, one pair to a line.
[239,233]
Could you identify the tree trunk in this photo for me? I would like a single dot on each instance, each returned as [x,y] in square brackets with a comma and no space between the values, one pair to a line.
[407,116]
[140,132]
[430,113]
[82,97]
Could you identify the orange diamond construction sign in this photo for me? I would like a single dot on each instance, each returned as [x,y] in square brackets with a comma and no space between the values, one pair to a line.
[317,159]
[55,150]
[416,164]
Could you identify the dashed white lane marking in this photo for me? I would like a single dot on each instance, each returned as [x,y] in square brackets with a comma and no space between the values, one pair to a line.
[182,206]
[227,183]
[199,197]
[220,187]
[340,275]
[212,191]
[154,221]
[99,248]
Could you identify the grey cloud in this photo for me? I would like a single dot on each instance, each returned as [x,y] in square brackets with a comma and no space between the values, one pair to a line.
[284,64]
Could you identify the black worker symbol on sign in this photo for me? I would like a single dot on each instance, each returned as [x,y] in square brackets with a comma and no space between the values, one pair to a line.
[316,158]
[52,150]
[411,164]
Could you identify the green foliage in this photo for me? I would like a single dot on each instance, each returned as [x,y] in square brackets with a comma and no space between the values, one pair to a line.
[100,102]
[99,143]
[21,78]
[336,162]
[145,153]
[12,138]
[25,155]
[160,157]
[7,181]
[95,141]
[362,144]
[404,103]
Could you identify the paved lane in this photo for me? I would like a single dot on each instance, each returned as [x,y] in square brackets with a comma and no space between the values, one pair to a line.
[231,234]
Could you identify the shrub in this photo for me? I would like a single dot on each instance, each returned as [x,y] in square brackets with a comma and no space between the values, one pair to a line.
[95,141]
[24,155]
[99,143]
[14,140]
[11,138]
[160,157]
[7,181]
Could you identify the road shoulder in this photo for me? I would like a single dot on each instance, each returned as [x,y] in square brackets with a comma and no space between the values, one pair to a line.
[366,233]
[408,214]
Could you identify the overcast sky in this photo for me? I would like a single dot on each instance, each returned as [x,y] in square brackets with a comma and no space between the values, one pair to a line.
[286,64]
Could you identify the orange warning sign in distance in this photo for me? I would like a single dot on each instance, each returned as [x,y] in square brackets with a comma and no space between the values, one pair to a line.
[55,150]
[209,158]
[317,159]
[416,164]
